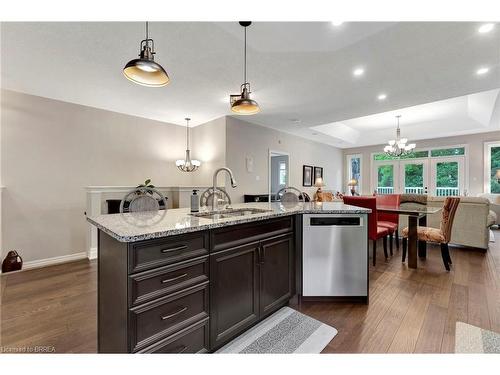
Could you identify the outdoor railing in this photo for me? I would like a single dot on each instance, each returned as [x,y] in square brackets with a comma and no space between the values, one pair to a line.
[446,191]
[385,190]
[414,190]
[440,191]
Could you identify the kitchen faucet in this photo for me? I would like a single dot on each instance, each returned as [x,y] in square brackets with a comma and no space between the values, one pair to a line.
[233,184]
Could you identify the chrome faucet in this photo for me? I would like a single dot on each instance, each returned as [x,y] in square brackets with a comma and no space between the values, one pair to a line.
[233,184]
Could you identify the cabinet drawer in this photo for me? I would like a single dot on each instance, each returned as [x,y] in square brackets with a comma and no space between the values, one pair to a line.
[232,236]
[159,282]
[193,339]
[149,254]
[161,318]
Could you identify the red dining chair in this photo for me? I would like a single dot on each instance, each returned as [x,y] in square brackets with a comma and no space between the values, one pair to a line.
[387,220]
[374,231]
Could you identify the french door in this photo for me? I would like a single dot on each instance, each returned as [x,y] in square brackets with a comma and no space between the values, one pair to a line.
[438,176]
[414,176]
[448,176]
[385,178]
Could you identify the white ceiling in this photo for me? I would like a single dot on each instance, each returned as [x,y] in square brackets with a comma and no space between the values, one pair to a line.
[298,71]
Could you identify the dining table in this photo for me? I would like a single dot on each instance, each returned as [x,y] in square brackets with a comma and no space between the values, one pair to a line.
[417,215]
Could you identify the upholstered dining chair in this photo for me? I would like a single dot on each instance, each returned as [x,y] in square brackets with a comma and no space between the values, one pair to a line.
[389,220]
[441,235]
[374,231]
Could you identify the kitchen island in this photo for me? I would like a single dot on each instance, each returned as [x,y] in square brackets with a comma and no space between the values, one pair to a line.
[172,282]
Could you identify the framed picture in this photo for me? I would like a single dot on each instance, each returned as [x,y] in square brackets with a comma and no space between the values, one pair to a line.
[318,172]
[307,175]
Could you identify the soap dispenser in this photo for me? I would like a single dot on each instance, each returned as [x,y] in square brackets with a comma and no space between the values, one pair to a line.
[195,201]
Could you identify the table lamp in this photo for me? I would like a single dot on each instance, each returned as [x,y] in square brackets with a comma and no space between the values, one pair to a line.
[497,176]
[319,184]
[353,183]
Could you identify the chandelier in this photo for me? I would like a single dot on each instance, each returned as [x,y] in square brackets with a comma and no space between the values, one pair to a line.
[398,147]
[187,164]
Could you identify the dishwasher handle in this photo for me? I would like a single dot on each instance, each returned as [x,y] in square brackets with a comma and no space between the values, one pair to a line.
[335,221]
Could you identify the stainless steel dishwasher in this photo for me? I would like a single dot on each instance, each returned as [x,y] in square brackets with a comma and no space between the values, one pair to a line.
[335,255]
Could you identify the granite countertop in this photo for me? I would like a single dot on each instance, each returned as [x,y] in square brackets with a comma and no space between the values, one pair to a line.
[131,227]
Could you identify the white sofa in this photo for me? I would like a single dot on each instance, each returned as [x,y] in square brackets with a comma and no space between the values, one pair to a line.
[494,205]
[471,224]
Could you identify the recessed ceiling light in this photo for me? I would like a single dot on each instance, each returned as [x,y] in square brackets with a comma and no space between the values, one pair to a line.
[486,28]
[382,97]
[337,23]
[482,71]
[358,72]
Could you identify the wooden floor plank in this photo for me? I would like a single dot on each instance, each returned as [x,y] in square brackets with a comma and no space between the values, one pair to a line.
[457,312]
[431,334]
[409,330]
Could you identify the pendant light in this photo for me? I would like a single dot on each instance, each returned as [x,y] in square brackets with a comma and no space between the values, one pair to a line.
[398,147]
[144,70]
[241,104]
[188,164]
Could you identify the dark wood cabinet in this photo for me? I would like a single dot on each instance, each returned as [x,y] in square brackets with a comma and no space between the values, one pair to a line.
[249,282]
[193,292]
[276,273]
[234,292]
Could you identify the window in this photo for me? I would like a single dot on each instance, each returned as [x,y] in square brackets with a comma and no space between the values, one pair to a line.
[385,179]
[411,155]
[282,174]
[354,170]
[436,171]
[491,166]
[447,179]
[448,151]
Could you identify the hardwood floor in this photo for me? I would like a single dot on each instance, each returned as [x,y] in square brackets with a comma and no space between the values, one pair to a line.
[415,311]
[53,307]
[409,311]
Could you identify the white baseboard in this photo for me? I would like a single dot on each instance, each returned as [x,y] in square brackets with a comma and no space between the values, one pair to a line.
[51,261]
[92,254]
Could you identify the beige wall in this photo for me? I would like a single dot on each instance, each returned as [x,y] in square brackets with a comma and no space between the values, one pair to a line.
[51,150]
[244,139]
[475,158]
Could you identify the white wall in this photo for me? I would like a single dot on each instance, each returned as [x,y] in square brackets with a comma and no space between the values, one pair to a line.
[474,142]
[244,139]
[51,150]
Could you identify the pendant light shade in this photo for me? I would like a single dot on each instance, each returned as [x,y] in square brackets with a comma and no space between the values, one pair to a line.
[187,164]
[242,104]
[144,70]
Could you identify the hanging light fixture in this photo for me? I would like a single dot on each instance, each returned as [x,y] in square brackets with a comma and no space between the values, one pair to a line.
[398,147]
[144,70]
[188,164]
[241,104]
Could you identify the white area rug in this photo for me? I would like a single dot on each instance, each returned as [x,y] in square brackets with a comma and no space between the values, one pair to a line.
[285,331]
[472,339]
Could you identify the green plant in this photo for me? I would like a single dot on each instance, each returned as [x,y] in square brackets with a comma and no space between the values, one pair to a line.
[146,184]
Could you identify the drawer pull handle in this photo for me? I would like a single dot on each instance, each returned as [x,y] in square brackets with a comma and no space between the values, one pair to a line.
[174,278]
[169,316]
[172,249]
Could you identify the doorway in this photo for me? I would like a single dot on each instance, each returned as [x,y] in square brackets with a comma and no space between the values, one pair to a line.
[279,172]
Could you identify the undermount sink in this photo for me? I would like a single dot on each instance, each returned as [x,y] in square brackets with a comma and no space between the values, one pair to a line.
[228,213]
